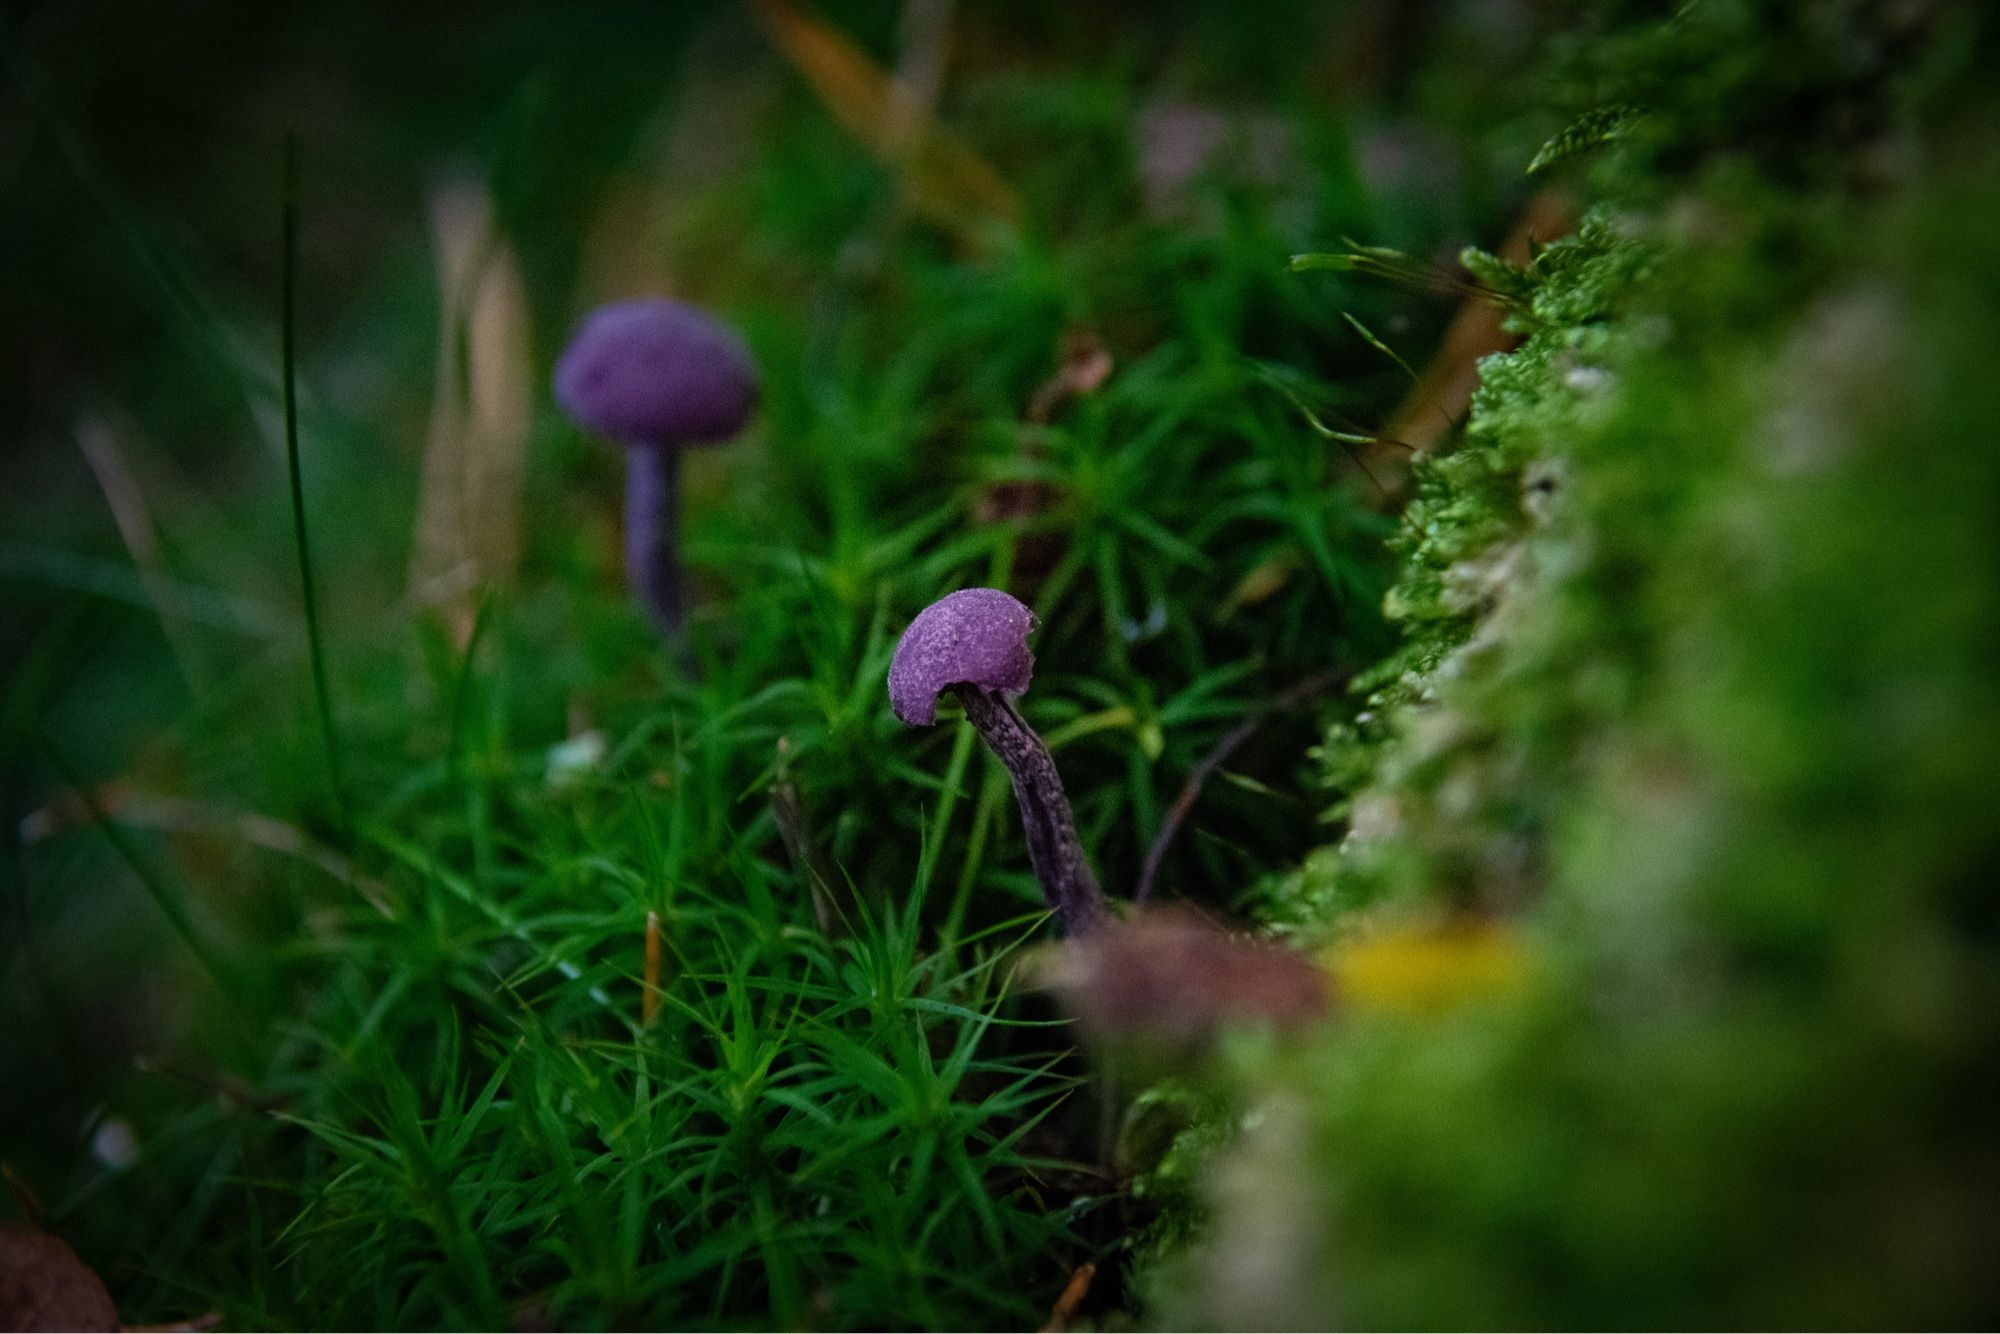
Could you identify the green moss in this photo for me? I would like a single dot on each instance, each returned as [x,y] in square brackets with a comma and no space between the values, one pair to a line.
[1697,693]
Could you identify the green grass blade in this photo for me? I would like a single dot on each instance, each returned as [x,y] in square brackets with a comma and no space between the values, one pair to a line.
[315,647]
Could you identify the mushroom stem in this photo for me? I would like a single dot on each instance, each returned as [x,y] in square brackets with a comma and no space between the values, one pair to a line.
[1053,847]
[652,532]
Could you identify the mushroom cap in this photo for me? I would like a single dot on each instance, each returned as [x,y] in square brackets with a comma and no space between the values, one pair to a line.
[657,371]
[976,636]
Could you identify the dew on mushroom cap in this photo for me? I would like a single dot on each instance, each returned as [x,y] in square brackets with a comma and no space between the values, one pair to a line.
[976,636]
[974,643]
[658,371]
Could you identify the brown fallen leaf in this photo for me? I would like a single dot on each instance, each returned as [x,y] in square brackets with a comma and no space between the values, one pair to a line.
[1083,364]
[43,1285]
[946,181]
[1438,401]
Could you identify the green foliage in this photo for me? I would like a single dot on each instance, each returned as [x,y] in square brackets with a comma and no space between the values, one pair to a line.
[1591,130]
[1697,694]
[806,1130]
[419,1090]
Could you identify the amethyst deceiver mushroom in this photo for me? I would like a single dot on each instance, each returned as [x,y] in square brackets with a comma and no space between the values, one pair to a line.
[974,644]
[659,376]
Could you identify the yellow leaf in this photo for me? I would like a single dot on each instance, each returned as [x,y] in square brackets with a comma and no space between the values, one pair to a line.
[1427,969]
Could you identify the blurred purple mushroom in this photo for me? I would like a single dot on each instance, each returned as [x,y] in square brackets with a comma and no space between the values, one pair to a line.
[1171,978]
[43,1285]
[659,376]
[974,643]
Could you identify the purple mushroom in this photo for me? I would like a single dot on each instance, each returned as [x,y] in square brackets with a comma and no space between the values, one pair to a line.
[659,376]
[974,643]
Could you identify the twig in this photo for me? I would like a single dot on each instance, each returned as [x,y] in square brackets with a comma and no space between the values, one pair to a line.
[1317,684]
[649,1000]
[1072,1297]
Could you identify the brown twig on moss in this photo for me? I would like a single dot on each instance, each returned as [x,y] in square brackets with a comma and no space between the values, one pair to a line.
[1072,1297]
[1317,684]
[649,999]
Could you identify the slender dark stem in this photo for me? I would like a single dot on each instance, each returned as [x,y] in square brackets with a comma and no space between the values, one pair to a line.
[1053,847]
[1317,684]
[289,373]
[652,533]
